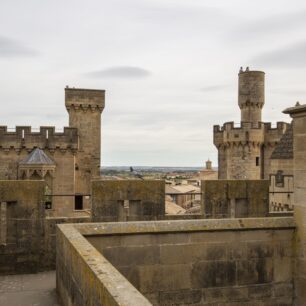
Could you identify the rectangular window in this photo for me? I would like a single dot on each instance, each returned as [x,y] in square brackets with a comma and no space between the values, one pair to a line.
[257,161]
[78,202]
[48,205]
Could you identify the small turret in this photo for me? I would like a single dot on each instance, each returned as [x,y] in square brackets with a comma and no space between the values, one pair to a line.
[251,95]
[208,165]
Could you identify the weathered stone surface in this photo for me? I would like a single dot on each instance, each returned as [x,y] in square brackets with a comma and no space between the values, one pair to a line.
[145,199]
[22,220]
[84,274]
[235,198]
[195,262]
[298,114]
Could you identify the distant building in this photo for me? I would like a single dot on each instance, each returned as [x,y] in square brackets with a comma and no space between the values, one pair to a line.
[184,195]
[281,177]
[208,173]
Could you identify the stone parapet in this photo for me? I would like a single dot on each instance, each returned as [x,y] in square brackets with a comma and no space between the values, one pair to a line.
[172,226]
[196,262]
[245,133]
[273,135]
[46,138]
[91,278]
[84,99]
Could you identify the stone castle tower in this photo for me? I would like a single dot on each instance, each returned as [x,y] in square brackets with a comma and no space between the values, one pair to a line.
[244,151]
[84,107]
[66,160]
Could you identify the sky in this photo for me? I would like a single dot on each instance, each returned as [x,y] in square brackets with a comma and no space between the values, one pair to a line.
[169,68]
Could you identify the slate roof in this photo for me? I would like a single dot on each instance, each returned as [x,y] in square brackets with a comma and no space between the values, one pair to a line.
[284,149]
[37,157]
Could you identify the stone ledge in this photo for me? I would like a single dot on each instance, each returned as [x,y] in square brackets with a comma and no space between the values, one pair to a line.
[115,290]
[92,229]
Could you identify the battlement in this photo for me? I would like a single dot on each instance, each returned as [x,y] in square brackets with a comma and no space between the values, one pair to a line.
[228,126]
[245,132]
[46,138]
[84,99]
[273,135]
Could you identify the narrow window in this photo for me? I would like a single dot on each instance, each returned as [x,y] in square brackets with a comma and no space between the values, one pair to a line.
[22,134]
[78,202]
[257,161]
[3,223]
[247,136]
[47,134]
[48,205]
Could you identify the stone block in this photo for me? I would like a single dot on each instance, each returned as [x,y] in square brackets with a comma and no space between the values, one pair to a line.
[260,249]
[254,271]
[283,269]
[260,291]
[207,274]
[182,253]
[136,255]
[283,289]
[180,297]
[164,277]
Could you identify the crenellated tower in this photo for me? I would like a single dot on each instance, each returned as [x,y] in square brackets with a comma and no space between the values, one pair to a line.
[85,107]
[66,160]
[244,151]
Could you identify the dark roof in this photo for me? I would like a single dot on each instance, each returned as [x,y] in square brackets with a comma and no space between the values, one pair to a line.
[284,149]
[37,157]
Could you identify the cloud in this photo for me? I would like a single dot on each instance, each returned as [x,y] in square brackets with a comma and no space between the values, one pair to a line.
[277,24]
[12,48]
[129,72]
[211,88]
[290,56]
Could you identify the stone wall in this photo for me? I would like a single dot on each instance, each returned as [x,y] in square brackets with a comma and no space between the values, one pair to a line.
[48,261]
[126,200]
[281,196]
[21,225]
[298,114]
[84,277]
[196,262]
[27,236]
[235,198]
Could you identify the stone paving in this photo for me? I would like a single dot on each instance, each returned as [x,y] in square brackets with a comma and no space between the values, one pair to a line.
[28,290]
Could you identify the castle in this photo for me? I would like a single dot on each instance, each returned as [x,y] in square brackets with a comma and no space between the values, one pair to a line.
[244,152]
[67,161]
[242,256]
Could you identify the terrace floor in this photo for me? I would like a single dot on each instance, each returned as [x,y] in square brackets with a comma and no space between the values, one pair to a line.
[28,290]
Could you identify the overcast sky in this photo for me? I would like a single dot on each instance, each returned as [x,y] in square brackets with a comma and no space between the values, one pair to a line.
[169,68]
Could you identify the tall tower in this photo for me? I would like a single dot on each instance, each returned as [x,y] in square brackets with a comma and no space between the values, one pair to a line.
[85,107]
[251,95]
[244,151]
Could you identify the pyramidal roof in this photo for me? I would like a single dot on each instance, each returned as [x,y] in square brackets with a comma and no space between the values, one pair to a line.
[284,149]
[37,157]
